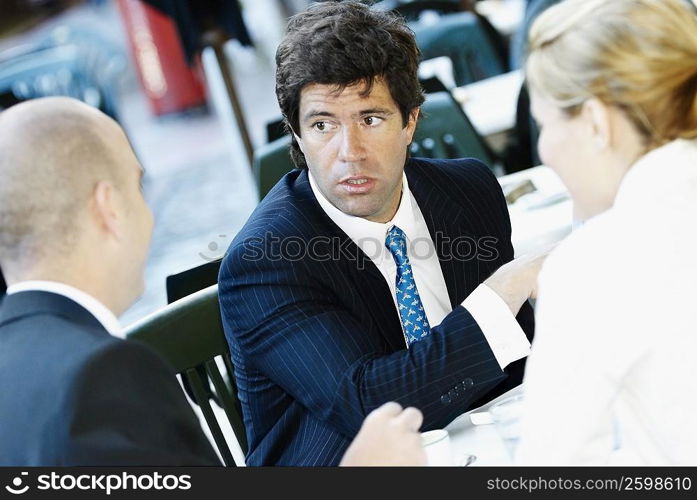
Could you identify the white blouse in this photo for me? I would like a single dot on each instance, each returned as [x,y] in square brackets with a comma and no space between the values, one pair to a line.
[612,378]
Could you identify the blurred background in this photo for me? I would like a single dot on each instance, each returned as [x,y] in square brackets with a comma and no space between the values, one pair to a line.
[192,84]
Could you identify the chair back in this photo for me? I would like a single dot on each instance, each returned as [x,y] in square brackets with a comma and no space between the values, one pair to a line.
[271,162]
[462,38]
[444,131]
[521,152]
[83,67]
[189,334]
[192,280]
[411,10]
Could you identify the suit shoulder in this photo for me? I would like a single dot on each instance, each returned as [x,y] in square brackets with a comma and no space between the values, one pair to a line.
[283,212]
[465,181]
[460,170]
[289,213]
[66,348]
[41,334]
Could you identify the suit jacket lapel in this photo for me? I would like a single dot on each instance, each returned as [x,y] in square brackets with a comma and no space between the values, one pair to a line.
[356,264]
[446,223]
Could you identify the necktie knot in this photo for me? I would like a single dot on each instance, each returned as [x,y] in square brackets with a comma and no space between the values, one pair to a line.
[397,243]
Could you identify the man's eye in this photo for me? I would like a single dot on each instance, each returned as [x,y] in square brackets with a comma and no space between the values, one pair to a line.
[372,120]
[320,126]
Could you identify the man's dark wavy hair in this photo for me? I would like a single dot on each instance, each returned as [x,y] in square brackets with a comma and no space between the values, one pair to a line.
[344,43]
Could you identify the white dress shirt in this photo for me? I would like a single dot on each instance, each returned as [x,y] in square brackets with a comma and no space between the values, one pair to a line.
[501,330]
[94,307]
[612,378]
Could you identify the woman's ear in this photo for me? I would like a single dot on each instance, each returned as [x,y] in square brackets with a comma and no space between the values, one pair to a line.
[596,115]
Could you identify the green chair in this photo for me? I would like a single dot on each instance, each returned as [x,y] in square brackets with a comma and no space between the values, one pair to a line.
[271,162]
[411,10]
[464,39]
[444,131]
[189,334]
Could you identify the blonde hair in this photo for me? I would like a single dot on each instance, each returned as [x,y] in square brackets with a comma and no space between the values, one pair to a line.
[638,55]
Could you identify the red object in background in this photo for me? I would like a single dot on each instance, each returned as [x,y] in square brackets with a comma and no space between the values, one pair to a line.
[168,81]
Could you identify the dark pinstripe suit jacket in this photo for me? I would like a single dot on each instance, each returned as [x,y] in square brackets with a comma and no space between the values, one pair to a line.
[315,337]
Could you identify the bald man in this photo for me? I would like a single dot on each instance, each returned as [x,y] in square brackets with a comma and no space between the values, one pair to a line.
[74,235]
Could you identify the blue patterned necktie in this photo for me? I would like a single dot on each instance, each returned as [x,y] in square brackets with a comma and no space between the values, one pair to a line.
[411,310]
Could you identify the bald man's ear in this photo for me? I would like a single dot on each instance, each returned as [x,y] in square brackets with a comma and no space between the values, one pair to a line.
[105,207]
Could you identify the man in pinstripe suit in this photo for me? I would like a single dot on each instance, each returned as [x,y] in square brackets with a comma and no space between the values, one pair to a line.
[365,276]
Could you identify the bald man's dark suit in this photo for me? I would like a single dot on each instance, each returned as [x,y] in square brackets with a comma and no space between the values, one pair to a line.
[74,395]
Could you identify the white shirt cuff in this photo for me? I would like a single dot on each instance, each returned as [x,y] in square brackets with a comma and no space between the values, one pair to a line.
[501,330]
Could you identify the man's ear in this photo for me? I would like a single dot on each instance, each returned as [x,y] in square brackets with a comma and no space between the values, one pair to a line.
[299,141]
[596,115]
[104,207]
[411,122]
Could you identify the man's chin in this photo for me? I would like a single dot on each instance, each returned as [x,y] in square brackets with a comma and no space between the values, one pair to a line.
[361,211]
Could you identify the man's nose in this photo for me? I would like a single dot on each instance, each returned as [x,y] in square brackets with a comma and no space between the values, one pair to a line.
[352,148]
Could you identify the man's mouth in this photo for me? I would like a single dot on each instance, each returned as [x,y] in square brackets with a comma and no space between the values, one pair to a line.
[357,184]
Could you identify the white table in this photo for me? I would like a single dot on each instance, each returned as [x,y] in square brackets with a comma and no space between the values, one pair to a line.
[542,217]
[490,104]
[482,441]
[504,15]
[539,218]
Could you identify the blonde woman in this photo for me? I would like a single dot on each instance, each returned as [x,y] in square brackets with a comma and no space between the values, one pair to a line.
[612,377]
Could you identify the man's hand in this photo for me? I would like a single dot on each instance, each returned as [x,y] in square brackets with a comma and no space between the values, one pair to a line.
[516,281]
[388,436]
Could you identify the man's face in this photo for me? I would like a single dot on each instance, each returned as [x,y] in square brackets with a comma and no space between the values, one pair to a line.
[355,147]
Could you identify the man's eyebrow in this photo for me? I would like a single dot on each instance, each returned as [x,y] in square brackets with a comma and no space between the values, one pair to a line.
[376,111]
[315,113]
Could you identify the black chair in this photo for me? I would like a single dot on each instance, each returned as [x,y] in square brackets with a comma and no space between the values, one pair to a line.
[465,40]
[411,11]
[521,152]
[444,131]
[275,130]
[192,280]
[271,162]
[189,334]
[432,84]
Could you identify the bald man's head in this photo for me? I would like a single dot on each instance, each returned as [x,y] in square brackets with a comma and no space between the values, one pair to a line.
[53,152]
